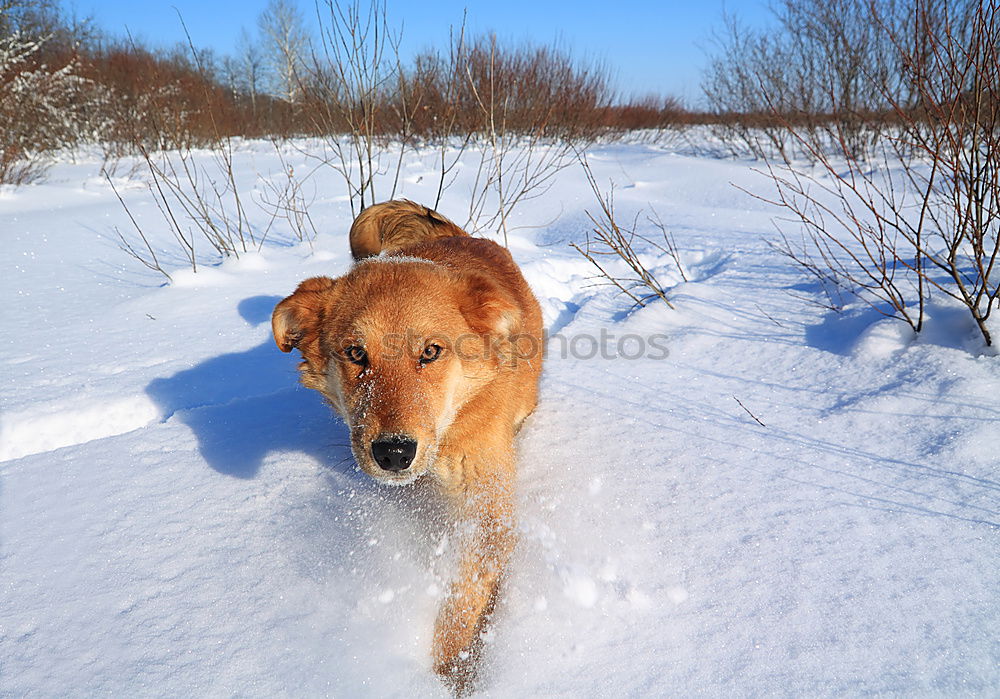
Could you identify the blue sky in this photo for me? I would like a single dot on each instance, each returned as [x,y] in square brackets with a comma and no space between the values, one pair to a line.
[649,46]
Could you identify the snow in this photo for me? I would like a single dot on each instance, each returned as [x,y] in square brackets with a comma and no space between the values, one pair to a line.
[177,516]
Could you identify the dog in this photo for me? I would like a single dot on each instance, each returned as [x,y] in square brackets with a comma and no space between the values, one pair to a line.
[430,349]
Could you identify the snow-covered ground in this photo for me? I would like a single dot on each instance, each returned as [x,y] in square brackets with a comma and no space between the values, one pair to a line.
[178,517]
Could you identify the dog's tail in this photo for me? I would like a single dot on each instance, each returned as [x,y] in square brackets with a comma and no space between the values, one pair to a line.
[395,224]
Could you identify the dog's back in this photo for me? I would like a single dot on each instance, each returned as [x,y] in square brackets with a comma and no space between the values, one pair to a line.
[395,224]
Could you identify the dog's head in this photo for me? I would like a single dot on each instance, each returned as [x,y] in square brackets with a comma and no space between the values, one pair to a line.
[398,346]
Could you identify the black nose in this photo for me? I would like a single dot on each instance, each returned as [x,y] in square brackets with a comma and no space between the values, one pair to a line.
[394,453]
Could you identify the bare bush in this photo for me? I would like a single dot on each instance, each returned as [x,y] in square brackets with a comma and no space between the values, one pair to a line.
[438,82]
[198,206]
[613,243]
[814,71]
[535,109]
[919,217]
[197,203]
[649,111]
[159,101]
[525,108]
[45,104]
[346,81]
[286,200]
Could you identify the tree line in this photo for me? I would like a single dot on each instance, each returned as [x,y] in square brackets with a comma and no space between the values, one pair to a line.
[64,82]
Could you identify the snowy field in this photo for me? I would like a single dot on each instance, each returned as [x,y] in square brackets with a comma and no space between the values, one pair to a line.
[179,518]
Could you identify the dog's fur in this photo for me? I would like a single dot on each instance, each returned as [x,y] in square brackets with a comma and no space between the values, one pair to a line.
[421,282]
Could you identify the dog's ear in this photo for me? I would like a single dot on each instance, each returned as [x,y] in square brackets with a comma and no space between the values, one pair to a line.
[488,309]
[296,320]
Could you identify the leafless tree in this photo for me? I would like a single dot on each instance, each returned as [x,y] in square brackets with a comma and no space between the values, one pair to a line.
[283,29]
[251,66]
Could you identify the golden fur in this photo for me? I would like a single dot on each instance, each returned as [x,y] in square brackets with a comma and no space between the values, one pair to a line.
[436,340]
[395,224]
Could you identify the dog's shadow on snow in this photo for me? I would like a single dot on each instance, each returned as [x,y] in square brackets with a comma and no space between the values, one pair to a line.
[243,406]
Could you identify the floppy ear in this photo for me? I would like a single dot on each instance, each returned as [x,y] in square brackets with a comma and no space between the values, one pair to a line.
[295,321]
[488,309]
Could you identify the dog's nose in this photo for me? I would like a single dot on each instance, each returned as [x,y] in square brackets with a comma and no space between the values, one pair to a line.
[394,453]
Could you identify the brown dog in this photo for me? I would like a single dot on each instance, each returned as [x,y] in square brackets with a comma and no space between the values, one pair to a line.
[430,349]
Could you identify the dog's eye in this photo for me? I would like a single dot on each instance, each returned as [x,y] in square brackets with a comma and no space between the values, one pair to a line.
[430,353]
[357,355]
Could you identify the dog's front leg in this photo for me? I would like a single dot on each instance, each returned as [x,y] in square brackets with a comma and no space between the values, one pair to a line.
[470,601]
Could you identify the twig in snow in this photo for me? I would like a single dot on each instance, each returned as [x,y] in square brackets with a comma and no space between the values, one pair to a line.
[768,316]
[748,412]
